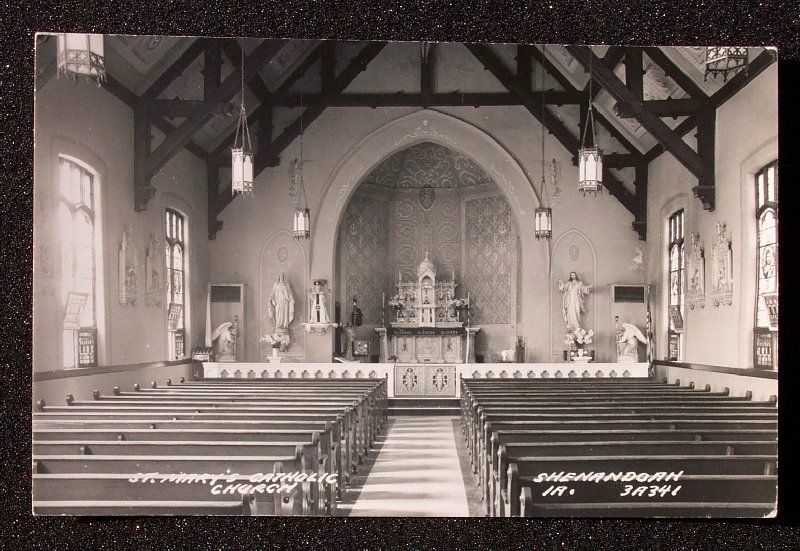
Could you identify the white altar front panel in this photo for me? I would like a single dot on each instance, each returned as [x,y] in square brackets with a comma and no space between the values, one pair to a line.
[440,384]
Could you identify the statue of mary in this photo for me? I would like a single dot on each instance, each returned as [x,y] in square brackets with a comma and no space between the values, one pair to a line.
[281,305]
[572,305]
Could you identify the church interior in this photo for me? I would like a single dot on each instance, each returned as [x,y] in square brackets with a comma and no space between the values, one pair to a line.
[431,277]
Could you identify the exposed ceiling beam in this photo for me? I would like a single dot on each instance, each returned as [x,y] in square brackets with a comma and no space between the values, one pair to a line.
[664,107]
[410,99]
[427,71]
[742,78]
[736,83]
[672,71]
[341,81]
[282,90]
[127,97]
[175,70]
[620,160]
[199,116]
[492,62]
[256,84]
[525,65]
[651,122]
[612,57]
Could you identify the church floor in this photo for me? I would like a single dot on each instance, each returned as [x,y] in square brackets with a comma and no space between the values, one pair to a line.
[415,469]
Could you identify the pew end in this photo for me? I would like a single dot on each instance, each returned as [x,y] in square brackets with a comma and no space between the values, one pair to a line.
[526,502]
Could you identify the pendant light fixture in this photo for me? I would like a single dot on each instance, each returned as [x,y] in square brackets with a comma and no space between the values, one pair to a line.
[543,215]
[590,158]
[302,219]
[81,55]
[242,152]
[725,60]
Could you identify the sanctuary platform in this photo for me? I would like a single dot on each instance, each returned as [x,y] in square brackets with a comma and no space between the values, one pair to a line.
[423,380]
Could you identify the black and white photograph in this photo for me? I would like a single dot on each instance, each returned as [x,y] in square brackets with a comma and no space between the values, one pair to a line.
[344,278]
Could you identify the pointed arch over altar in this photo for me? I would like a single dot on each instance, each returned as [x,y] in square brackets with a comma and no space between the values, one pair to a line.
[465,138]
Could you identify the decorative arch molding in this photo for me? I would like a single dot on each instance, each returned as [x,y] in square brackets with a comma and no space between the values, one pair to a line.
[562,261]
[270,263]
[429,126]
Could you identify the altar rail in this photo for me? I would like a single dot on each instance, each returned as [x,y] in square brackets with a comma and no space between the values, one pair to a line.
[215,370]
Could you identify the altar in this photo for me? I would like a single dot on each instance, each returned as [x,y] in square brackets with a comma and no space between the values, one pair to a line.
[428,327]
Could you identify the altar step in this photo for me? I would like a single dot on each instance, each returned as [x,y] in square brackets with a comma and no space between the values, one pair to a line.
[424,406]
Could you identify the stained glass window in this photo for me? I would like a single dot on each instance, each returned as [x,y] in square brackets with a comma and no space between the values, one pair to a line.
[766,337]
[175,258]
[76,215]
[675,270]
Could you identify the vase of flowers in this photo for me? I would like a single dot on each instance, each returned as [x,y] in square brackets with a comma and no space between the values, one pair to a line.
[577,341]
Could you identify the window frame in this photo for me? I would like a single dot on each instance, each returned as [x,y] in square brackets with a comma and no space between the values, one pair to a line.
[765,337]
[676,225]
[84,339]
[175,240]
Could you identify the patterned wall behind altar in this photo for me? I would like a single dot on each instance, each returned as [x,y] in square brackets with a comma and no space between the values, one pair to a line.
[364,256]
[430,198]
[426,220]
[490,257]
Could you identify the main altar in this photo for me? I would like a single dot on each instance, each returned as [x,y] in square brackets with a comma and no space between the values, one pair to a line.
[427,326]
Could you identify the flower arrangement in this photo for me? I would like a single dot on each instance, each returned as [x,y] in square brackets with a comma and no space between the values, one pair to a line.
[459,303]
[583,336]
[396,302]
[276,341]
[579,336]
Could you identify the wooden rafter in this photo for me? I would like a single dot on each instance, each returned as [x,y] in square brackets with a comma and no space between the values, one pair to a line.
[651,122]
[333,88]
[492,62]
[146,161]
[613,57]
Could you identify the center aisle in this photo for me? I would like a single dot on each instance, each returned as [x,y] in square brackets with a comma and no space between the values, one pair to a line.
[416,472]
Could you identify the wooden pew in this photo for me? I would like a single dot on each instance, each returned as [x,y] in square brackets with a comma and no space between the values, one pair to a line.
[586,437]
[198,423]
[509,452]
[142,508]
[302,498]
[530,467]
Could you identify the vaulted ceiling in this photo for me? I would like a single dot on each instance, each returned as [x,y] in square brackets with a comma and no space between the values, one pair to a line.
[185,94]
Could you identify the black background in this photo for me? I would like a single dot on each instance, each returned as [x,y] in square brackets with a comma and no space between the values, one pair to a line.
[775,23]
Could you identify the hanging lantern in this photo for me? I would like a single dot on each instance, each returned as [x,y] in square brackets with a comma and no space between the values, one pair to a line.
[724,60]
[81,55]
[302,223]
[242,152]
[590,158]
[590,170]
[543,223]
[242,171]
[543,215]
[302,220]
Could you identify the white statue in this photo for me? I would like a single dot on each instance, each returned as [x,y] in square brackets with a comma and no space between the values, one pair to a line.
[318,311]
[224,339]
[281,304]
[572,305]
[628,338]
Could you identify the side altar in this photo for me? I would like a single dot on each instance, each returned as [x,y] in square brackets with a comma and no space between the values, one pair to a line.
[428,327]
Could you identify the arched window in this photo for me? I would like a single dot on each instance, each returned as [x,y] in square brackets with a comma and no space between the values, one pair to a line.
[76,224]
[675,268]
[766,323]
[176,277]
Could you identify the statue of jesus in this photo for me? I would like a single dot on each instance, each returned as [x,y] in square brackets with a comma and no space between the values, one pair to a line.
[281,304]
[572,305]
